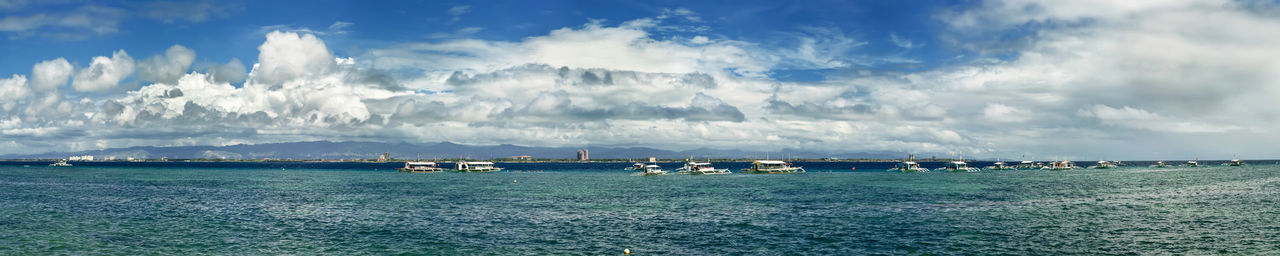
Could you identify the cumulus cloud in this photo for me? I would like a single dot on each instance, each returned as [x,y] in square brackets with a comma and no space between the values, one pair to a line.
[104,73]
[231,72]
[288,56]
[50,74]
[73,24]
[13,89]
[167,68]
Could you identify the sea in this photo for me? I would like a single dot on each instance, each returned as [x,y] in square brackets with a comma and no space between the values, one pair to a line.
[836,208]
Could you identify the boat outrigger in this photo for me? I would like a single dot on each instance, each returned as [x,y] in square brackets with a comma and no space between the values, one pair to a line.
[635,167]
[696,168]
[909,165]
[420,167]
[1103,165]
[1235,162]
[1028,165]
[475,167]
[1192,164]
[1060,166]
[651,170]
[60,163]
[1159,164]
[1000,165]
[958,166]
[772,167]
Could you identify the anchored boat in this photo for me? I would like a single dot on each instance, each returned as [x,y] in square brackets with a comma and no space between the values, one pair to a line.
[772,167]
[476,167]
[1060,166]
[420,167]
[696,168]
[651,170]
[1103,165]
[958,166]
[60,163]
[1159,164]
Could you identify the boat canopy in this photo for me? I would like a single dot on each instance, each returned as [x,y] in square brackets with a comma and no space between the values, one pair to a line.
[480,163]
[770,162]
[420,163]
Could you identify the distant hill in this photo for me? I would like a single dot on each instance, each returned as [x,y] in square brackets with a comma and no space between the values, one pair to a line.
[371,150]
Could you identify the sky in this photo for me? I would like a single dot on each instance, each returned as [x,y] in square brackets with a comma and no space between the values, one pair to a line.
[1012,79]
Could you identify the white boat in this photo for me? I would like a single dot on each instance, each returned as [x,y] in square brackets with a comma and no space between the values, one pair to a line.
[696,168]
[1192,164]
[60,163]
[908,166]
[1159,164]
[1000,165]
[1060,166]
[1235,162]
[772,167]
[1103,165]
[475,167]
[635,167]
[420,167]
[957,166]
[1028,165]
[651,170]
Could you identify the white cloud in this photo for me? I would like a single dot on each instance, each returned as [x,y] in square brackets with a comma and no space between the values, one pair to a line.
[996,112]
[50,74]
[11,90]
[903,42]
[231,72]
[191,11]
[457,11]
[288,56]
[1134,118]
[104,73]
[169,67]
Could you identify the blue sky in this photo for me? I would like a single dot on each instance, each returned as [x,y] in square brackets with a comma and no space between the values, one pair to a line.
[1095,79]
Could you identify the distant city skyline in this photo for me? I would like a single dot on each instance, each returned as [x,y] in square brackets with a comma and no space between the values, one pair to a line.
[996,78]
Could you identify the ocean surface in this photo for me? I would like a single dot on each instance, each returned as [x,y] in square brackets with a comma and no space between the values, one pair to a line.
[125,208]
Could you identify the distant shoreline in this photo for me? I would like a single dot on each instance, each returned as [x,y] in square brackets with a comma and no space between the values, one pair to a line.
[555,160]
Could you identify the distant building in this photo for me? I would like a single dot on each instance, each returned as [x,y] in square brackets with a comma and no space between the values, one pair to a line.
[384,157]
[522,157]
[653,159]
[584,155]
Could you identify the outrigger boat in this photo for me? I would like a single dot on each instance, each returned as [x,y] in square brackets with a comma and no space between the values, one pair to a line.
[60,163]
[475,167]
[1060,166]
[635,167]
[1028,165]
[1235,162]
[1000,165]
[772,167]
[1193,163]
[1159,164]
[420,167]
[958,166]
[1103,165]
[651,170]
[696,168]
[909,165]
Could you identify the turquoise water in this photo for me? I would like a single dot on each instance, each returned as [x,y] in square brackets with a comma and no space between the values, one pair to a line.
[130,210]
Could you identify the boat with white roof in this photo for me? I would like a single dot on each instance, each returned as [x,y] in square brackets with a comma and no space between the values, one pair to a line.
[60,163]
[475,167]
[420,167]
[772,167]
[696,168]
[958,166]
[651,170]
[909,165]
[1060,166]
[1103,165]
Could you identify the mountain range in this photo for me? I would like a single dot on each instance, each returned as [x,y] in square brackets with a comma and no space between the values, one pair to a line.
[371,150]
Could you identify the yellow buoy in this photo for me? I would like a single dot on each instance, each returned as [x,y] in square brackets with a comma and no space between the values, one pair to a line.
[626,251]
[514,181]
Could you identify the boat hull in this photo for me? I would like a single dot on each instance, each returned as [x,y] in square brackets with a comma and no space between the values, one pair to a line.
[773,171]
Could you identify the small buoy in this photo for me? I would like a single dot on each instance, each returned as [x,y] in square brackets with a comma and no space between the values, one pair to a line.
[854,168]
[513,181]
[626,251]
